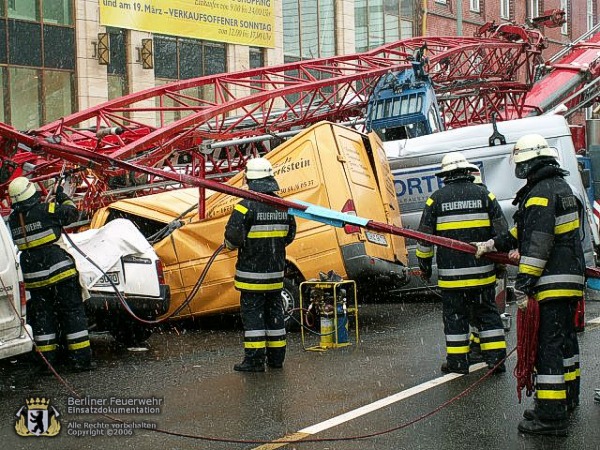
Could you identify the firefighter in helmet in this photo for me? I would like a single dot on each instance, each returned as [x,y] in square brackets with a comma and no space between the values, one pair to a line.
[55,308]
[551,272]
[464,211]
[261,233]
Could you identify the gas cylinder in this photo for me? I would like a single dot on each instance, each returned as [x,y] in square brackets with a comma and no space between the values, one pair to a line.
[342,325]
[326,330]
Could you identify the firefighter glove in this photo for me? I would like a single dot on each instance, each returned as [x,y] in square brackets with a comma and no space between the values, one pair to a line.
[484,247]
[521,299]
[514,256]
[425,266]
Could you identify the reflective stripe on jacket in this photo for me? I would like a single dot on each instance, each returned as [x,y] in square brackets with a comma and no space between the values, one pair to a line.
[260,232]
[547,235]
[466,212]
[35,228]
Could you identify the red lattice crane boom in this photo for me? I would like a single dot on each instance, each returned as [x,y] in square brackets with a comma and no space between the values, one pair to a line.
[474,76]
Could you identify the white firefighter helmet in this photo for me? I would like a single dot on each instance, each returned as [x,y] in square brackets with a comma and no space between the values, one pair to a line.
[454,161]
[20,189]
[531,146]
[257,168]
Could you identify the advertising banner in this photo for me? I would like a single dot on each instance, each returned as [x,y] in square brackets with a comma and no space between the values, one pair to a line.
[246,22]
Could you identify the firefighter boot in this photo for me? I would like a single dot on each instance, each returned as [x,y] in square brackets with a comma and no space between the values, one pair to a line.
[250,365]
[447,369]
[535,425]
[498,368]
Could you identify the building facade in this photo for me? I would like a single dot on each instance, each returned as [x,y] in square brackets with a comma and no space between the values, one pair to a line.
[62,56]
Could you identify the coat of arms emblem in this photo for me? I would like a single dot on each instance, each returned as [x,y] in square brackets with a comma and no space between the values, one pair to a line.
[37,418]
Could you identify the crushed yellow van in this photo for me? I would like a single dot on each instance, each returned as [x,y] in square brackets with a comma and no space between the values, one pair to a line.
[327,165]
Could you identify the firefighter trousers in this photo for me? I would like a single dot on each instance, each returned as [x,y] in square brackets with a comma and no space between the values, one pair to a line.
[57,316]
[264,326]
[460,305]
[557,362]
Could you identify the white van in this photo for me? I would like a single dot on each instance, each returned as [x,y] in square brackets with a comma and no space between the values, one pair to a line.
[414,163]
[15,335]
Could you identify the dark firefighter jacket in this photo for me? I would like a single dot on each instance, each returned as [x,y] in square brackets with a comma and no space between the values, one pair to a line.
[260,232]
[546,232]
[466,212]
[35,228]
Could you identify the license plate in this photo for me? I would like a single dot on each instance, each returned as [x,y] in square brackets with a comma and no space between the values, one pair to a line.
[105,280]
[376,238]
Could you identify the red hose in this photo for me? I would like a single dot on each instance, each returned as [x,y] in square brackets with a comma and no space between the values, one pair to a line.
[528,321]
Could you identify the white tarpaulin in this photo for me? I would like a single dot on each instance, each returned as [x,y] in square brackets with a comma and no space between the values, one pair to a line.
[104,246]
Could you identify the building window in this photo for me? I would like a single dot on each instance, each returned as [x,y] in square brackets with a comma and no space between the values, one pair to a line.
[590,14]
[475,6]
[381,21]
[565,28]
[534,9]
[309,29]
[116,71]
[505,9]
[257,60]
[181,59]
[443,2]
[37,61]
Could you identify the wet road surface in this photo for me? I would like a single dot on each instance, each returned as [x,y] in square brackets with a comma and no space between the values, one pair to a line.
[379,388]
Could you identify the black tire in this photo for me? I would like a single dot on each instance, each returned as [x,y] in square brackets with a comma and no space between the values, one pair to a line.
[129,332]
[290,295]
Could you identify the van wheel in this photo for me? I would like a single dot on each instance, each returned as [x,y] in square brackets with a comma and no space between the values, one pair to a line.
[290,295]
[129,332]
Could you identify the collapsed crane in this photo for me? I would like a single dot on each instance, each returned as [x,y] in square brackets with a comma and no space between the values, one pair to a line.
[174,127]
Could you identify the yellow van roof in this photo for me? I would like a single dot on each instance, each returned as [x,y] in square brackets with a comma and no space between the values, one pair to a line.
[162,207]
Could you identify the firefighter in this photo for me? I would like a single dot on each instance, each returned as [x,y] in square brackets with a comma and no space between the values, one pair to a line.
[261,233]
[551,272]
[55,308]
[464,211]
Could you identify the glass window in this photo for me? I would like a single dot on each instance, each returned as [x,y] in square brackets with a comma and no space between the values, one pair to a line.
[165,57]
[361,16]
[474,5]
[59,43]
[257,57]
[34,93]
[376,36]
[57,11]
[505,9]
[309,29]
[181,59]
[3,53]
[377,22]
[534,8]
[214,59]
[392,28]
[590,14]
[24,91]
[24,9]
[118,56]
[326,29]
[3,103]
[117,86]
[25,43]
[565,7]
[291,22]
[190,59]
[58,93]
